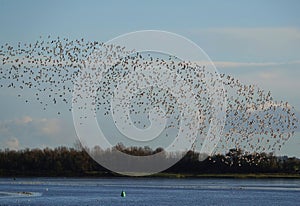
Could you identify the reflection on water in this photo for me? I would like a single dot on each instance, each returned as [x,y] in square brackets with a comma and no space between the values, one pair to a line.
[147,191]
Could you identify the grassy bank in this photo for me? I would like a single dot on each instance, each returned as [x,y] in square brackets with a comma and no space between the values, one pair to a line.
[165,175]
[234,176]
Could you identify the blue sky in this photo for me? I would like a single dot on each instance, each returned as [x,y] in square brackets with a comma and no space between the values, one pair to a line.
[256,41]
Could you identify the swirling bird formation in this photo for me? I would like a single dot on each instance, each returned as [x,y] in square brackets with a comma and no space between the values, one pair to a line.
[255,123]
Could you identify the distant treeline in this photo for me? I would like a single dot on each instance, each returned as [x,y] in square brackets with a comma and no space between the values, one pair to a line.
[64,161]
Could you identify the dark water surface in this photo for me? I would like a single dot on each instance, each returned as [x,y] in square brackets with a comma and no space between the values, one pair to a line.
[147,191]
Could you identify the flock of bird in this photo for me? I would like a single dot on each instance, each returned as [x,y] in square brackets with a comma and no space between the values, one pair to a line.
[51,67]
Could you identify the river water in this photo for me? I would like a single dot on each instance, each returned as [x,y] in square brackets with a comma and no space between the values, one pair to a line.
[148,191]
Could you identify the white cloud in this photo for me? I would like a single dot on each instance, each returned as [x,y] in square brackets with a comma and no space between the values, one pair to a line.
[23,120]
[231,64]
[12,143]
[268,75]
[35,132]
[42,126]
[50,126]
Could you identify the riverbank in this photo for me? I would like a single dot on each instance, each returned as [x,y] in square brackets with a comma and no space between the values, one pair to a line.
[235,176]
[167,175]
